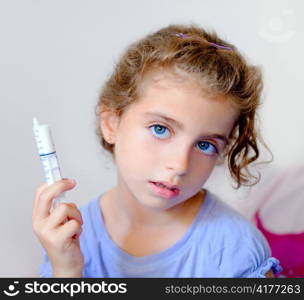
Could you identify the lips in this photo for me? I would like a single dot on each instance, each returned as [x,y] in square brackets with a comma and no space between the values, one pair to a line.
[166,185]
[164,191]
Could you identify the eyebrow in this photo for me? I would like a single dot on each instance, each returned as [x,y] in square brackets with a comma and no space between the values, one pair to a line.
[181,126]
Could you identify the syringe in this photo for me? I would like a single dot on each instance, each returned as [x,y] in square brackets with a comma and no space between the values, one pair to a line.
[48,156]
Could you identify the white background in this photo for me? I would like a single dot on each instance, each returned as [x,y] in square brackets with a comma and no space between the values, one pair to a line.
[54,57]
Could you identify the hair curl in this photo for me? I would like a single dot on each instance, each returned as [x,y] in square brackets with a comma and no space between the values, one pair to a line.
[223,72]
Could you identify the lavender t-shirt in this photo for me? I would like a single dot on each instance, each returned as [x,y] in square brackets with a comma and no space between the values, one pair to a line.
[219,243]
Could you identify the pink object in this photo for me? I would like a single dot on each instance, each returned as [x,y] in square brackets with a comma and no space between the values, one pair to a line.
[282,205]
[184,35]
[287,248]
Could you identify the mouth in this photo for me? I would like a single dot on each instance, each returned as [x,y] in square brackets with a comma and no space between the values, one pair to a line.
[165,190]
[167,186]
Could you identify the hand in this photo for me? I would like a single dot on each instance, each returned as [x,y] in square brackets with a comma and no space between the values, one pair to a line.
[58,231]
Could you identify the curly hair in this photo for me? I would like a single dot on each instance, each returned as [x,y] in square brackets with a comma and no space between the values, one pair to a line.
[223,70]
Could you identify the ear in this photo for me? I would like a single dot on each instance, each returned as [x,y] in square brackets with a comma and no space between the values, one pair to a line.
[109,122]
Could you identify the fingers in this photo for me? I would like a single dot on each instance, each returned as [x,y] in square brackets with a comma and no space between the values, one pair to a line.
[39,190]
[60,238]
[46,193]
[69,230]
[64,212]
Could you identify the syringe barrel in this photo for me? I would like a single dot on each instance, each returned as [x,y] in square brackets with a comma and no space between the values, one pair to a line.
[51,167]
[48,156]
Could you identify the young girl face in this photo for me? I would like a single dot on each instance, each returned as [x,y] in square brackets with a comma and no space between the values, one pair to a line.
[174,133]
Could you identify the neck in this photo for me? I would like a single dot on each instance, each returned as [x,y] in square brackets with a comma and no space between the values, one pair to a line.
[132,214]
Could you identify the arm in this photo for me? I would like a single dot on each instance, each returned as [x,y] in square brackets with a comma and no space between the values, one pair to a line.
[269,274]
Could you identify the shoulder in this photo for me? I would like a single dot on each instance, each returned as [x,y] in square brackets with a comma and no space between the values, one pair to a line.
[90,211]
[92,236]
[92,228]
[231,226]
[239,249]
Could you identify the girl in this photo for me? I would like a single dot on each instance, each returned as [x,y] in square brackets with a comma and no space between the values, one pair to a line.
[179,101]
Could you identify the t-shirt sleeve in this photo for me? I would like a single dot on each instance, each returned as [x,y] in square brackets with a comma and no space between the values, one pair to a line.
[259,256]
[45,268]
[269,263]
[246,256]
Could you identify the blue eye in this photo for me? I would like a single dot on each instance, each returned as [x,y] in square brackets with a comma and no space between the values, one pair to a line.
[159,130]
[208,147]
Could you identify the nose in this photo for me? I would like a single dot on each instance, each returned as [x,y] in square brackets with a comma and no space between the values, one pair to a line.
[179,161]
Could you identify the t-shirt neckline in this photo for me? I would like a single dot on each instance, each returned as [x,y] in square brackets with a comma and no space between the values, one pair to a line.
[113,249]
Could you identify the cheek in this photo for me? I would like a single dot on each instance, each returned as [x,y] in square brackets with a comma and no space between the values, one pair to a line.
[136,146]
[149,148]
[203,167]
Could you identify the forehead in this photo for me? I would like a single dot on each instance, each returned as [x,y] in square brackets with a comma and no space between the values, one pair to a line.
[175,90]
[183,99]
[163,79]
